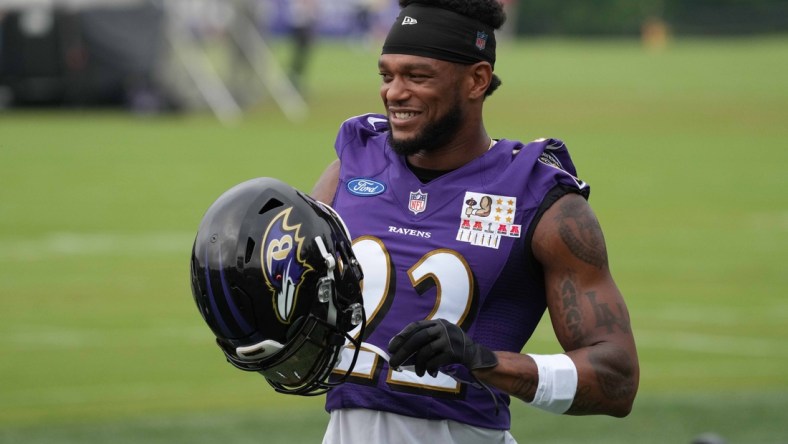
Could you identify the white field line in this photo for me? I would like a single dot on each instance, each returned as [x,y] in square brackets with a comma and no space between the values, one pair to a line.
[95,244]
[720,345]
[773,347]
[46,337]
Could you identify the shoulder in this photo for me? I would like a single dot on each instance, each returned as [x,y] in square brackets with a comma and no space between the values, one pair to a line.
[362,139]
[552,153]
[551,178]
[368,124]
[545,171]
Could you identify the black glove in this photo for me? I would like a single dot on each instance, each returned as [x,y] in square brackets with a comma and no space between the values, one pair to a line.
[436,343]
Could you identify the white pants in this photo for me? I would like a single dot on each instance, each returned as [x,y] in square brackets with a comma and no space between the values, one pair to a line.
[360,426]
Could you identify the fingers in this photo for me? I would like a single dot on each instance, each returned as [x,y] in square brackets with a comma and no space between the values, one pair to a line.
[426,345]
[396,342]
[432,362]
[410,340]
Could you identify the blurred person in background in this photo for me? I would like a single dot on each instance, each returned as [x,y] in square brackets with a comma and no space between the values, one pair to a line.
[303,16]
[365,13]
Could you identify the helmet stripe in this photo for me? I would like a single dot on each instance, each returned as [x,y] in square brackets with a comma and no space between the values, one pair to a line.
[216,313]
[233,309]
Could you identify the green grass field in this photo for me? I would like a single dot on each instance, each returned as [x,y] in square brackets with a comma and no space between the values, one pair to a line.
[685,149]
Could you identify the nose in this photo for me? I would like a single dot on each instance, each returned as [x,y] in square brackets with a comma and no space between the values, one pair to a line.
[394,91]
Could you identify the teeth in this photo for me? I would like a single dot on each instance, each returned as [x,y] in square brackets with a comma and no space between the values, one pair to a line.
[404,116]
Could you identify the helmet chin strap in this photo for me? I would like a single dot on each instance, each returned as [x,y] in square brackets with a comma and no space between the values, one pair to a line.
[353,314]
[325,291]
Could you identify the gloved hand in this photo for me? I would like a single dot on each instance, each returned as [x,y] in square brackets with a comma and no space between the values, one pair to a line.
[435,343]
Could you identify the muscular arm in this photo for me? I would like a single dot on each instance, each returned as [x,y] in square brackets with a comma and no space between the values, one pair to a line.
[326,185]
[588,314]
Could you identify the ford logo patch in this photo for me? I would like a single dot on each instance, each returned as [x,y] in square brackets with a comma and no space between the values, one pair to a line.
[365,187]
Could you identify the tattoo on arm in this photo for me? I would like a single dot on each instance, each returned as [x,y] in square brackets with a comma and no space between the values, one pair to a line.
[571,313]
[580,231]
[605,318]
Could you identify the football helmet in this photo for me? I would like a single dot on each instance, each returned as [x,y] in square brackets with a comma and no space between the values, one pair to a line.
[274,276]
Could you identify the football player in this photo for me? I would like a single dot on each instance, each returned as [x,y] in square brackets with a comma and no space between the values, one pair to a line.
[465,239]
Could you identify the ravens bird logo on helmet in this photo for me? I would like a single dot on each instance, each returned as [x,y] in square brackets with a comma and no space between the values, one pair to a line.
[283,266]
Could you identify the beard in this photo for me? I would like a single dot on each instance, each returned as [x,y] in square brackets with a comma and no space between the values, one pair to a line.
[433,137]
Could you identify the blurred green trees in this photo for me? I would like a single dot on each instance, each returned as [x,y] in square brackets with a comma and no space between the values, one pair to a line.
[627,17]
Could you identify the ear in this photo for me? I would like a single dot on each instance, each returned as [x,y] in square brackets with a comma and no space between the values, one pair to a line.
[479,78]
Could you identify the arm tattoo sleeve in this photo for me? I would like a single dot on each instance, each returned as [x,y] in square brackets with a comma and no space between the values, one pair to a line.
[581,233]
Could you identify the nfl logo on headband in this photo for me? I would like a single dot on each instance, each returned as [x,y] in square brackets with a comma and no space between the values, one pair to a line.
[481,40]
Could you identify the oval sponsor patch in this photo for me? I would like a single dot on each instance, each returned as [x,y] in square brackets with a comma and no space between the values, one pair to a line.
[365,187]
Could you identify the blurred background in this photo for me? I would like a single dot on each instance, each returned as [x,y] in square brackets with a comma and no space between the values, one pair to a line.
[121,121]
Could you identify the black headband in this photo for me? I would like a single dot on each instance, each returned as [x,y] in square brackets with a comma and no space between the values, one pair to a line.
[440,34]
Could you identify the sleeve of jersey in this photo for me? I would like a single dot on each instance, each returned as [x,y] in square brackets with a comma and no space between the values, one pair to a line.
[357,134]
[555,172]
[557,177]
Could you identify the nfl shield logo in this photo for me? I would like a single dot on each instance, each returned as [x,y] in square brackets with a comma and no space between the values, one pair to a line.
[481,40]
[418,202]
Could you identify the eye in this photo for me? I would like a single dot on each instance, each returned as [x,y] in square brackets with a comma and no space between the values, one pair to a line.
[418,77]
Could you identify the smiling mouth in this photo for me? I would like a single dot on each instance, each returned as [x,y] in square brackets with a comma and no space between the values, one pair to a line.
[404,115]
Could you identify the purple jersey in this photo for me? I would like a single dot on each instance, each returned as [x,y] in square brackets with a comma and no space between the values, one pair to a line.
[456,248]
